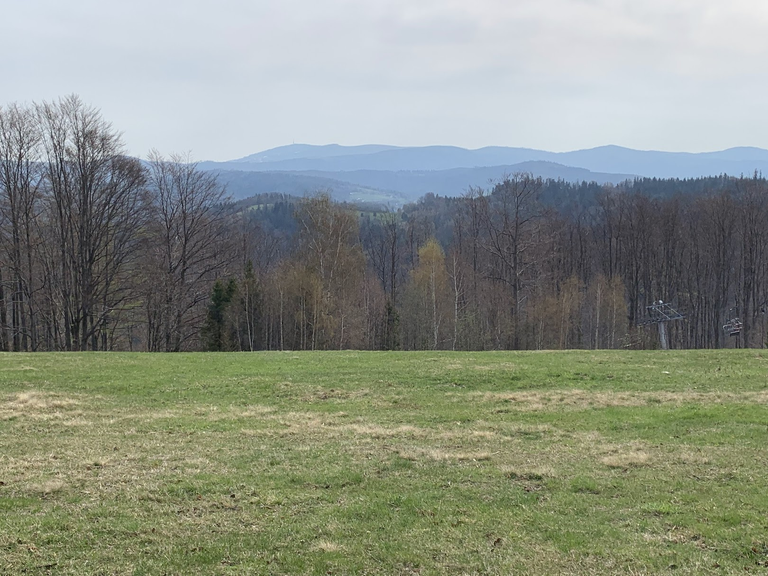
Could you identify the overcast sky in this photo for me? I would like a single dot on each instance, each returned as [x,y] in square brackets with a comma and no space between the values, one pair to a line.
[229,78]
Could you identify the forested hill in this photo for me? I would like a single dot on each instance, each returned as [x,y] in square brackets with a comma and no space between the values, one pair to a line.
[514,266]
[561,195]
[400,187]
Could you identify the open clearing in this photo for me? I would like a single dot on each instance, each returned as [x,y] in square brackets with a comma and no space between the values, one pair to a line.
[384,463]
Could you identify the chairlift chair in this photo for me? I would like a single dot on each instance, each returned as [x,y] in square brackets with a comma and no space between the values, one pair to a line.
[733,326]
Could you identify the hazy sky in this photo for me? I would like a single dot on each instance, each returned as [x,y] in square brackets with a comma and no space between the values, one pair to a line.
[228,78]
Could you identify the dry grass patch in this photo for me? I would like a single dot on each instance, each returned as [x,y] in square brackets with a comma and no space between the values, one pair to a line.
[332,427]
[376,431]
[578,399]
[470,435]
[677,535]
[49,486]
[303,422]
[333,394]
[38,401]
[255,411]
[631,455]
[486,435]
[416,454]
[39,406]
[691,457]
[499,366]
[146,416]
[327,546]
[631,459]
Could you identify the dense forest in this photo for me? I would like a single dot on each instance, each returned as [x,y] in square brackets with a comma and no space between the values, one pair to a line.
[101,251]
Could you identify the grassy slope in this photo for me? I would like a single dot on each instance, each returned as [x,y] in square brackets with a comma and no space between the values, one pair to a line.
[384,463]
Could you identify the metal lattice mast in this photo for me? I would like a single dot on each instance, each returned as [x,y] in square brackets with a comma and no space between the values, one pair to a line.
[660,313]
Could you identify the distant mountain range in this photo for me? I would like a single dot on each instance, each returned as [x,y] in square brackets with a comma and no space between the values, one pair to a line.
[396,175]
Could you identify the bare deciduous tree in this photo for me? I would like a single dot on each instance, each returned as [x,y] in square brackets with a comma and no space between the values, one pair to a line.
[20,192]
[95,205]
[186,243]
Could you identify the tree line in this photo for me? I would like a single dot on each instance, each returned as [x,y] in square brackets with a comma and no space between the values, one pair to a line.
[101,251]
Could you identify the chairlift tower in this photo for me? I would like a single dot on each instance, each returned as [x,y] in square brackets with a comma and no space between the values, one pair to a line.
[660,313]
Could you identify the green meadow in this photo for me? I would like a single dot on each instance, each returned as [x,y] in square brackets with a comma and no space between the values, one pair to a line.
[384,463]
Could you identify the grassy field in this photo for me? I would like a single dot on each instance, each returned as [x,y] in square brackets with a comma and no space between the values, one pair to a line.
[384,463]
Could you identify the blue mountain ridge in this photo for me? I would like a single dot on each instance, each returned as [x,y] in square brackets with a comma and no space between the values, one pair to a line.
[400,174]
[604,159]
